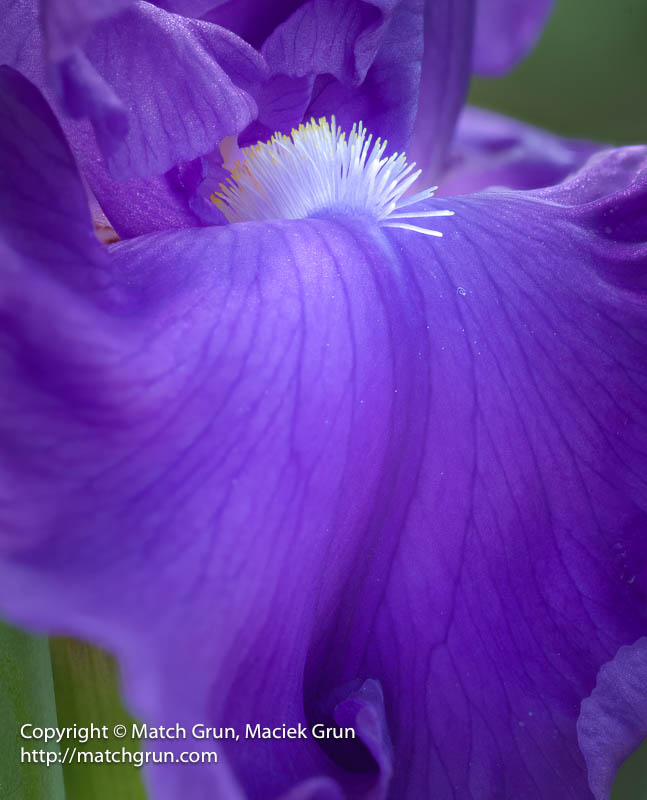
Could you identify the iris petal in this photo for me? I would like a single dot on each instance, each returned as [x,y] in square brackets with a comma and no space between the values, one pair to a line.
[505,31]
[31,139]
[112,90]
[265,461]
[532,515]
[67,23]
[202,99]
[491,150]
[365,56]
[322,36]
[446,70]
[613,720]
[189,8]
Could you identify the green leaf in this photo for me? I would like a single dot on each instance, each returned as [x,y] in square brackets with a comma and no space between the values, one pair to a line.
[631,781]
[87,692]
[26,696]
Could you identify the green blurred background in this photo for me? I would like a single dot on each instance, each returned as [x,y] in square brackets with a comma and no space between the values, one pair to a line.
[587,77]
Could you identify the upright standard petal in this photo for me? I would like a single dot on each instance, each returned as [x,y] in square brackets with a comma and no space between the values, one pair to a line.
[126,125]
[446,71]
[337,472]
[326,37]
[363,59]
[374,61]
[183,81]
[505,31]
[158,88]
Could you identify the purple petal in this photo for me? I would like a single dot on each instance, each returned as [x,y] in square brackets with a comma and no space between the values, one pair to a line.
[205,94]
[67,22]
[251,20]
[505,31]
[340,42]
[613,720]
[282,103]
[299,459]
[493,151]
[521,568]
[446,70]
[362,59]
[393,65]
[135,206]
[363,710]
[31,186]
[84,93]
[369,72]
[322,36]
[21,42]
[189,8]
[315,789]
[201,99]
[387,97]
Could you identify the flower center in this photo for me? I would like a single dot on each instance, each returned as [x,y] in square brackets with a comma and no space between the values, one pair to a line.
[317,168]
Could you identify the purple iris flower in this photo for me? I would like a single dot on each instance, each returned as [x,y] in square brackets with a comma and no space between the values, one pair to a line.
[293,460]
